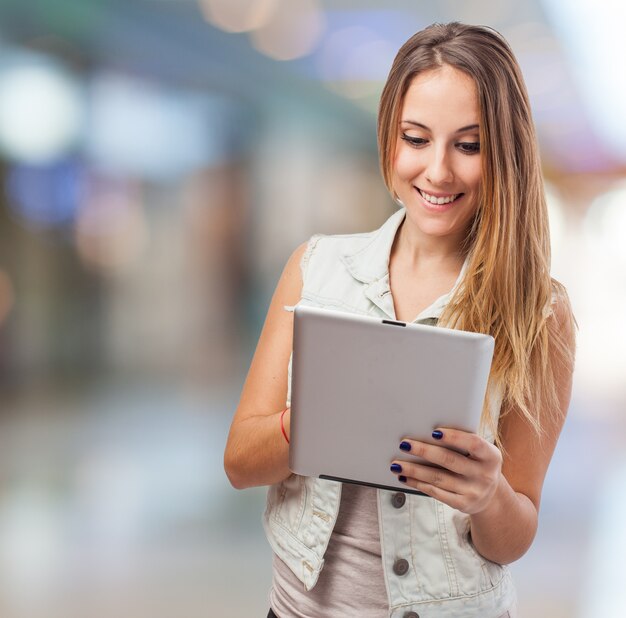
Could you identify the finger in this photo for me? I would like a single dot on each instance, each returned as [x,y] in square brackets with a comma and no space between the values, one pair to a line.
[465,441]
[431,475]
[439,455]
[447,497]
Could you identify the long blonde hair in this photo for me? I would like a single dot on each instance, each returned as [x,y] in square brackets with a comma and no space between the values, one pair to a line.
[507,290]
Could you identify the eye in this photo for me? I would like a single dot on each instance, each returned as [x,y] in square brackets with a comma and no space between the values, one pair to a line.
[414,141]
[469,147]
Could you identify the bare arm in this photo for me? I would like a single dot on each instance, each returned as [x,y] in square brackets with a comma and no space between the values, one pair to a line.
[500,493]
[504,531]
[256,451]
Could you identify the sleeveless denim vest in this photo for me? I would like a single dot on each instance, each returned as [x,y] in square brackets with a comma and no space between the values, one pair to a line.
[446,577]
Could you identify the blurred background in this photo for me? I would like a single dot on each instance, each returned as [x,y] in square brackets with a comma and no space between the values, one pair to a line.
[159,161]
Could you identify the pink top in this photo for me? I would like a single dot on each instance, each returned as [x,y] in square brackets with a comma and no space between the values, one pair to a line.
[351,582]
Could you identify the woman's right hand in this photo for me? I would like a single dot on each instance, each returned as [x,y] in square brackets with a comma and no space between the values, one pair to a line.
[257,452]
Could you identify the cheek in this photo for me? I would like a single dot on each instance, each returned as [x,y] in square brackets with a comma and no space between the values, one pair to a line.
[406,165]
[473,175]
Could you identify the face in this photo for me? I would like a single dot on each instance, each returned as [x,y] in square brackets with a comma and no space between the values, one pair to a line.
[437,167]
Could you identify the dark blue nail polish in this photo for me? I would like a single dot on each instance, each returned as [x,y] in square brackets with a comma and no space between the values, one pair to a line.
[405,446]
[396,467]
[402,479]
[437,434]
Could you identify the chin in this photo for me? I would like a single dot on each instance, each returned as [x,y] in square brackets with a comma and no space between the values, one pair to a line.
[436,224]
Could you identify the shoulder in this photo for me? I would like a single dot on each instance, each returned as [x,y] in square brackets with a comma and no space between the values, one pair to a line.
[561,322]
[331,248]
[340,242]
[321,249]
[560,309]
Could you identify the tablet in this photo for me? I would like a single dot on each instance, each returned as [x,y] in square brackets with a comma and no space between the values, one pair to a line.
[360,384]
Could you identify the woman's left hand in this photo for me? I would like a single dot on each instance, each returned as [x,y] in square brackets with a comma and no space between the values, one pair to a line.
[464,482]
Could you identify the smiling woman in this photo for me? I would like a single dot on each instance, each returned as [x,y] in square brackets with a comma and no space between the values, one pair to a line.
[468,249]
[437,170]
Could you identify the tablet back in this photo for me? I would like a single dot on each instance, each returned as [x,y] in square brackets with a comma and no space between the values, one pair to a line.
[360,384]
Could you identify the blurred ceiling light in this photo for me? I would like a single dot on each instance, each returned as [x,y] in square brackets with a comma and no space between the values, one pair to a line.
[7,296]
[293,32]
[238,15]
[593,37]
[41,111]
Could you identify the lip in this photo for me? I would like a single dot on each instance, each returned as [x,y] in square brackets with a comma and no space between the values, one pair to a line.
[439,208]
[437,193]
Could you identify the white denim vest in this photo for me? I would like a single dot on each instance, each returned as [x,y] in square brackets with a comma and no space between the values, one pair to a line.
[446,575]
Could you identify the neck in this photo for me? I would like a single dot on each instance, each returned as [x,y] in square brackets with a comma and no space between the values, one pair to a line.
[416,249]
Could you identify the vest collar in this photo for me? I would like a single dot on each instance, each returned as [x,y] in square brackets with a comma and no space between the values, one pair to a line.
[371,262]
[370,265]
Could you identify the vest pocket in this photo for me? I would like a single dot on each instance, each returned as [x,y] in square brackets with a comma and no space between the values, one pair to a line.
[492,572]
[480,574]
[290,499]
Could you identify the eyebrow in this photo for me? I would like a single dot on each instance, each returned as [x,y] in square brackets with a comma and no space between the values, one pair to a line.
[469,127]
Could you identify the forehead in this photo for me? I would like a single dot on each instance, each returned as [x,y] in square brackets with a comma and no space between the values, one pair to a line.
[442,97]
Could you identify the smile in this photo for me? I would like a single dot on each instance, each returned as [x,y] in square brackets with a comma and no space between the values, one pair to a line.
[439,200]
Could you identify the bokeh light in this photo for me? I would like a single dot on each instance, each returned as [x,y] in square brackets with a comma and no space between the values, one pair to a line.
[41,111]
[45,196]
[292,32]
[593,41]
[602,288]
[239,15]
[111,227]
[558,229]
[138,127]
[354,61]
[605,222]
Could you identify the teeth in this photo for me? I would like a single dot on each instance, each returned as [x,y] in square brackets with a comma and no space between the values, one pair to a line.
[438,200]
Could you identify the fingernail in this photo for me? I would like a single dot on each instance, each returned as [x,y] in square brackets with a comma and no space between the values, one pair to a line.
[437,434]
[396,467]
[405,446]
[402,479]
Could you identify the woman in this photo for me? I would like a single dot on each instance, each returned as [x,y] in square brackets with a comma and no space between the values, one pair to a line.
[468,249]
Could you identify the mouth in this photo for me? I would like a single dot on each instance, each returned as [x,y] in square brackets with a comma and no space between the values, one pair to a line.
[440,200]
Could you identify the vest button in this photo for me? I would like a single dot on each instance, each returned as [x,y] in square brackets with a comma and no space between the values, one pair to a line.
[411,615]
[401,567]
[398,499]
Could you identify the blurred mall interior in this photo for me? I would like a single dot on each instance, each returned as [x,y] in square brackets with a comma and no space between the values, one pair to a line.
[159,162]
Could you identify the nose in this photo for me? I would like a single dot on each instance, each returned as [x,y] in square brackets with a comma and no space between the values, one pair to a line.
[439,171]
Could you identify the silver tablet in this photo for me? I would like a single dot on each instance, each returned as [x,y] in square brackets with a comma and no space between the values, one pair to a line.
[360,384]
